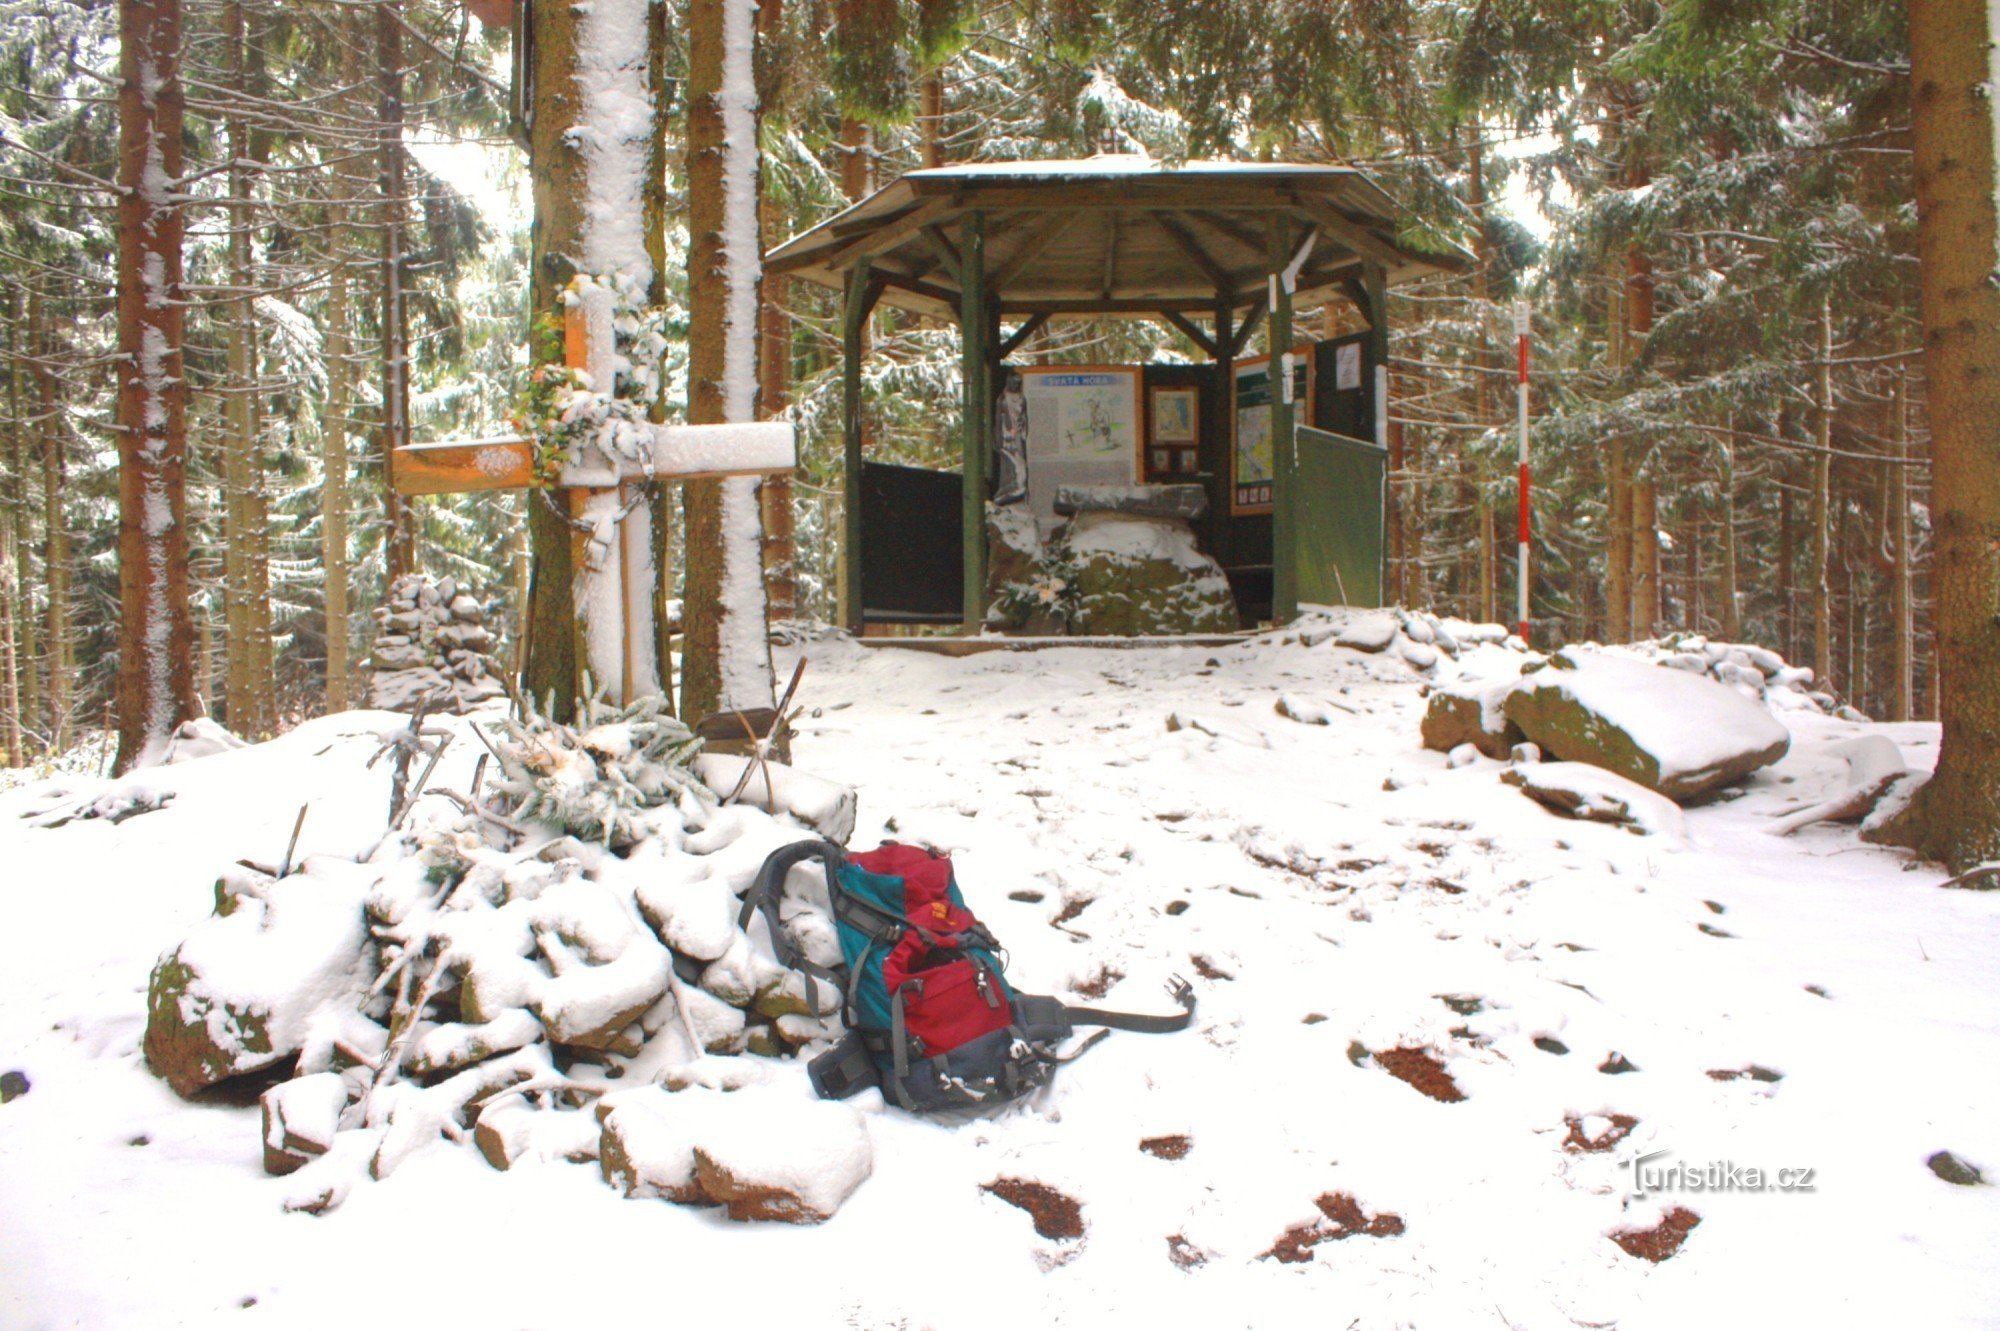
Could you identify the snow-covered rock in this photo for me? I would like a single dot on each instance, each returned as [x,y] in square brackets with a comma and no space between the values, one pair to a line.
[825,806]
[1595,795]
[1679,734]
[1471,713]
[765,1151]
[282,966]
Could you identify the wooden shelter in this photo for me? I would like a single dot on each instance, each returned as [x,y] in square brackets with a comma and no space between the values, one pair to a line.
[1212,248]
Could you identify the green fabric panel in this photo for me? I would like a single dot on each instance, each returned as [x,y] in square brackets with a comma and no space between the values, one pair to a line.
[1341,492]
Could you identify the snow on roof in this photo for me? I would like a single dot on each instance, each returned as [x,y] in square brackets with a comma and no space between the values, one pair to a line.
[1117,164]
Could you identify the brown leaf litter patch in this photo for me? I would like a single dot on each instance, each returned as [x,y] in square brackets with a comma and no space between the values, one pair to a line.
[1183,1253]
[1072,908]
[1662,1240]
[1057,1215]
[1422,1069]
[1175,1147]
[1207,969]
[1341,1217]
[1755,1072]
[1098,985]
[1621,1128]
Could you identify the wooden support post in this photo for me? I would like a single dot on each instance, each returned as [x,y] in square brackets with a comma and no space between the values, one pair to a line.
[973,331]
[854,316]
[1224,475]
[1375,286]
[1284,441]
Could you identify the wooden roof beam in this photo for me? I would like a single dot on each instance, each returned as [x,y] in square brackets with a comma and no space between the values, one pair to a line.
[1031,249]
[1193,332]
[1110,255]
[1027,330]
[946,252]
[1241,339]
[1352,234]
[1225,286]
[867,245]
[1243,236]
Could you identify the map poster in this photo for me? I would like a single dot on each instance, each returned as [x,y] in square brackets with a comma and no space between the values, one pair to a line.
[1251,459]
[1083,429]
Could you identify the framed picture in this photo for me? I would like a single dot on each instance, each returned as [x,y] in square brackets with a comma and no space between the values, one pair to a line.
[1175,420]
[1163,459]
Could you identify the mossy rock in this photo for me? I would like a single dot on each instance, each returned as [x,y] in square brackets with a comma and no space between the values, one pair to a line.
[1139,576]
[1474,716]
[195,1039]
[1623,715]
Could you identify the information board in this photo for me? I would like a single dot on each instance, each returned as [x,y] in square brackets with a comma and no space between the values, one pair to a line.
[1083,429]
[1251,460]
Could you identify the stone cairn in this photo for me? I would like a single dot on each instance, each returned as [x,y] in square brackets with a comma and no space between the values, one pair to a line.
[547,966]
[431,638]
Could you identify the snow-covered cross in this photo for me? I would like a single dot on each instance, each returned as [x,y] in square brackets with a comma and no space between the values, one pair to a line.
[612,548]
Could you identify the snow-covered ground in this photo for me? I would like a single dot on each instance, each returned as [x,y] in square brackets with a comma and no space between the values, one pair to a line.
[1319,915]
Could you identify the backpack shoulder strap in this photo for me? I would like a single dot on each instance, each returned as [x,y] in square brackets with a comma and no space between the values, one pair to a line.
[1051,1018]
[769,885]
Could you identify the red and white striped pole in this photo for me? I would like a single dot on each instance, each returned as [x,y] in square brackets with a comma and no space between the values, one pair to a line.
[1521,334]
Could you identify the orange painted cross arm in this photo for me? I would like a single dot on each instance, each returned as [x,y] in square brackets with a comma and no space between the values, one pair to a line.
[506,463]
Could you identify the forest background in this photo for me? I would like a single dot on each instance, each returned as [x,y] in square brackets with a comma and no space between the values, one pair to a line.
[1713,217]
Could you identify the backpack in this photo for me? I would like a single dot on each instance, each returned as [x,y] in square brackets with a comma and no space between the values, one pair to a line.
[930,1015]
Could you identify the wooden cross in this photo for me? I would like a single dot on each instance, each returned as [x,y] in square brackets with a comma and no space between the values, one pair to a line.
[598,486]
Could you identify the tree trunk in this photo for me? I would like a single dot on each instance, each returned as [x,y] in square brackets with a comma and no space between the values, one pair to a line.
[727,662]
[1732,611]
[333,495]
[1788,544]
[774,378]
[155,692]
[594,166]
[26,637]
[399,516]
[931,117]
[1646,609]
[1483,380]
[1954,49]
[1618,491]
[247,571]
[1818,520]
[1902,644]
[56,567]
[14,753]
[1645,576]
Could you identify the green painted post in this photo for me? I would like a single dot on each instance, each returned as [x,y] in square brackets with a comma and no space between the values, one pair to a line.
[1376,283]
[973,333]
[854,314]
[1284,439]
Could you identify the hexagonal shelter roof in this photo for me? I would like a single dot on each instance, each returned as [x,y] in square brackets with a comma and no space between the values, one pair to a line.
[1111,235]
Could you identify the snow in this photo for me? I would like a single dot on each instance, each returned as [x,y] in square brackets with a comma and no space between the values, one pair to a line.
[1342,910]
[1117,165]
[1122,536]
[698,450]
